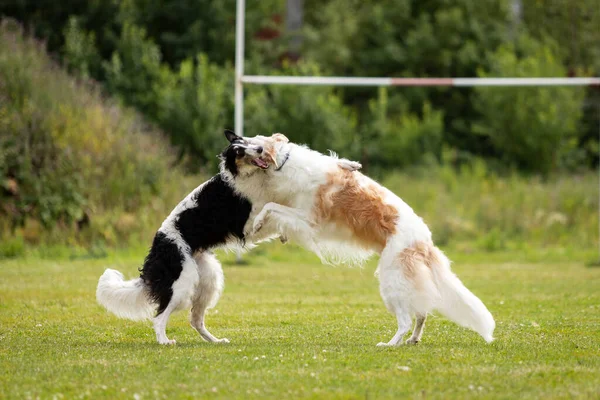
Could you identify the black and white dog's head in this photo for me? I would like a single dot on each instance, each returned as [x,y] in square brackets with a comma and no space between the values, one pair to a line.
[245,156]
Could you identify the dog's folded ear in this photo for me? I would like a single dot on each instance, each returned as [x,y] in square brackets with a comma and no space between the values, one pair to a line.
[231,136]
[280,137]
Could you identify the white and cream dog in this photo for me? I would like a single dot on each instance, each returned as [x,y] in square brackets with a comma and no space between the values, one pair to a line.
[327,206]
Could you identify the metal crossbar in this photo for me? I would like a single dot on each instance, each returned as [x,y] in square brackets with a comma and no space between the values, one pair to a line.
[457,82]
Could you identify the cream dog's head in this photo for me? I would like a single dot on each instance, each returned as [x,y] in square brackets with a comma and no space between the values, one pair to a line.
[247,155]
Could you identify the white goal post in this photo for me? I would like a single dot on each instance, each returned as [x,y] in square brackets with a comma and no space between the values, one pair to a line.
[241,79]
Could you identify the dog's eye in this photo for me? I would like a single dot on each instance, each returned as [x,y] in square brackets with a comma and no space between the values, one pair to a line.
[239,152]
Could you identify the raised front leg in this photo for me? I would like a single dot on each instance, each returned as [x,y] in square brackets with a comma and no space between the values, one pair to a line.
[288,218]
[266,232]
[289,223]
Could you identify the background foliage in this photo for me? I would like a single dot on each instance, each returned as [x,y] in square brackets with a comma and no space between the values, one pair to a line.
[144,51]
[172,62]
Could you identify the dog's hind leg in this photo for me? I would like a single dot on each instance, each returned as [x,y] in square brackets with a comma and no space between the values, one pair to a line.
[418,331]
[197,321]
[160,324]
[393,289]
[407,288]
[182,292]
[208,291]
[404,321]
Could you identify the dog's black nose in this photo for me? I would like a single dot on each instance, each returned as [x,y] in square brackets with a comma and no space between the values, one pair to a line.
[259,149]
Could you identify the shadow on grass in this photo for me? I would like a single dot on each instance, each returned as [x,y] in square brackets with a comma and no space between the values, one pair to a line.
[237,263]
[153,345]
[593,264]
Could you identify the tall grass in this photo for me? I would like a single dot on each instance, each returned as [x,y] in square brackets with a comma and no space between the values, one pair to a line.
[473,208]
[75,167]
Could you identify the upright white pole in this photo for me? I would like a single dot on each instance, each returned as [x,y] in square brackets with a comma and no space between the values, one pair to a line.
[239,67]
[239,73]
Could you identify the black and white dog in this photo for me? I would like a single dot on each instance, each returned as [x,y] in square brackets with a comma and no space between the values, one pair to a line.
[180,270]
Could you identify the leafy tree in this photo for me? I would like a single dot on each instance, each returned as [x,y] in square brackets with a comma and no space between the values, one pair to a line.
[134,68]
[573,25]
[49,19]
[194,105]
[79,53]
[184,28]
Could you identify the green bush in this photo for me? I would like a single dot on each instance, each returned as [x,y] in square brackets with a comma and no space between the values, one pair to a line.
[12,247]
[67,156]
[401,139]
[534,129]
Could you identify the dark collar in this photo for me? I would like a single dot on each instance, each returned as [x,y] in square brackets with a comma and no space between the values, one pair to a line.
[285,158]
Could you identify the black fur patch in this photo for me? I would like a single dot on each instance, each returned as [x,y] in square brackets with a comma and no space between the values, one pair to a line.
[162,267]
[219,215]
[229,156]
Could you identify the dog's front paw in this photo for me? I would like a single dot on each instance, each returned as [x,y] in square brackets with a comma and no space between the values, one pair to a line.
[257,225]
[168,342]
[223,340]
[259,221]
[412,341]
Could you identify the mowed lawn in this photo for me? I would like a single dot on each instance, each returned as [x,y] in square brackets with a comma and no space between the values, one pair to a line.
[299,329]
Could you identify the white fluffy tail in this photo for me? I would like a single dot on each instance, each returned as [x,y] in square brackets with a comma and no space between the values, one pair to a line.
[458,303]
[125,299]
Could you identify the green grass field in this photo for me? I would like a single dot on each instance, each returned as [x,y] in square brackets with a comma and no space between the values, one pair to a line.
[299,329]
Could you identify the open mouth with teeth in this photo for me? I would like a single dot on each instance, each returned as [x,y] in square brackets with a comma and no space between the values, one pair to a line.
[260,163]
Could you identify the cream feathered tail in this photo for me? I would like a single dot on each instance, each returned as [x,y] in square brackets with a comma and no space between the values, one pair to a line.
[457,302]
